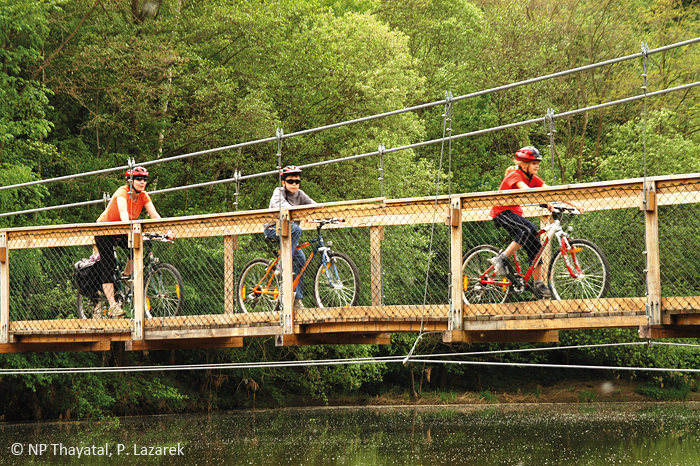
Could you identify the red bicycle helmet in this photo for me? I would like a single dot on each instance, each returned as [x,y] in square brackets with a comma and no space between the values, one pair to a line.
[137,171]
[290,170]
[528,154]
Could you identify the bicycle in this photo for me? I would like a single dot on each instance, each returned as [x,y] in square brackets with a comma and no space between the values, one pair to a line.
[163,288]
[336,281]
[579,269]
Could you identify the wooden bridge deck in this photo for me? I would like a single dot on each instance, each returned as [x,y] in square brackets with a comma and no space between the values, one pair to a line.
[525,321]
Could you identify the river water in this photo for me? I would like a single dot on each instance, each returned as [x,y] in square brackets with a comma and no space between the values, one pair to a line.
[538,434]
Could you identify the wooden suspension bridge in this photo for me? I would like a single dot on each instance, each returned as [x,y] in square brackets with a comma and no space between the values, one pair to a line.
[645,298]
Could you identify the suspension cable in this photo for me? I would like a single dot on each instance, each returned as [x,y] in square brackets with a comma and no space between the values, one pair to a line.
[446,130]
[368,360]
[364,119]
[385,151]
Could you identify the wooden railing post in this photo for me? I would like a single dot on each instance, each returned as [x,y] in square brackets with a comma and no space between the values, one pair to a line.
[4,289]
[455,319]
[285,234]
[139,298]
[653,271]
[230,245]
[376,236]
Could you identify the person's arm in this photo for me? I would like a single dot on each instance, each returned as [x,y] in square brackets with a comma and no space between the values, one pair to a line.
[279,200]
[573,204]
[123,209]
[151,210]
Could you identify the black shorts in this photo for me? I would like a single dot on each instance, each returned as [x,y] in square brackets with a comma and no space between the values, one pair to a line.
[522,230]
[105,245]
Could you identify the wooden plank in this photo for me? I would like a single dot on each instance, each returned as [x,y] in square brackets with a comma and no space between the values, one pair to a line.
[562,323]
[175,334]
[288,293]
[376,236]
[557,307]
[653,269]
[333,339]
[657,332]
[4,292]
[375,327]
[139,295]
[456,275]
[54,347]
[413,312]
[71,338]
[230,245]
[685,319]
[500,336]
[48,327]
[184,343]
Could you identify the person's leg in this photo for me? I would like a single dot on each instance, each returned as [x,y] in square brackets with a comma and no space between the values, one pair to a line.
[105,246]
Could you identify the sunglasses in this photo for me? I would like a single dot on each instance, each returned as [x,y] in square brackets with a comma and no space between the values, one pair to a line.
[292,181]
[140,178]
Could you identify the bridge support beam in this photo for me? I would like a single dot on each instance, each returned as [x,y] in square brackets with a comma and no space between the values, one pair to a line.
[137,267]
[501,336]
[651,223]
[455,320]
[285,233]
[332,339]
[4,290]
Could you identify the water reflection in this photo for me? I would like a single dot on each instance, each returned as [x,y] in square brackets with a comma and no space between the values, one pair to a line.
[601,434]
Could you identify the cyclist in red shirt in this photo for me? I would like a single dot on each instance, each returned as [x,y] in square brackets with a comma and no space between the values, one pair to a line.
[524,233]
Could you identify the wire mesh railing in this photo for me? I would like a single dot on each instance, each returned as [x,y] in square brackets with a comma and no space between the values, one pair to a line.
[382,260]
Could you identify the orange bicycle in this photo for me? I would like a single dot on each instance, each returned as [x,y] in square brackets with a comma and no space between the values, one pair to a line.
[336,281]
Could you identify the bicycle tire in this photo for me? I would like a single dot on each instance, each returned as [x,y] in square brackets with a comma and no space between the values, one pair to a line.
[338,284]
[592,283]
[163,291]
[474,264]
[86,306]
[250,300]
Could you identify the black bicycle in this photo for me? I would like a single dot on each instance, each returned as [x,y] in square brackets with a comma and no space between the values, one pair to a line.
[163,287]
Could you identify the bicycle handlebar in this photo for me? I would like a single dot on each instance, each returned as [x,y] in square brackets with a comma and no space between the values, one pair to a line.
[560,209]
[325,221]
[157,237]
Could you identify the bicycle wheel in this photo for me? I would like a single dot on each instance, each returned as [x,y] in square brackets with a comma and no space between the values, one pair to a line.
[338,283]
[163,291]
[89,308]
[258,290]
[476,262]
[591,270]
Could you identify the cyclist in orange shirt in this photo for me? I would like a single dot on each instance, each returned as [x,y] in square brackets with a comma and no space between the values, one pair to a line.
[126,204]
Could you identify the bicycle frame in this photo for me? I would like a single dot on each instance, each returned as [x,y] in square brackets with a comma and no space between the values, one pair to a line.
[568,253]
[318,246]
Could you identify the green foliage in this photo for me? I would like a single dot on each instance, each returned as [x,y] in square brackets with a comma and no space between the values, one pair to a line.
[670,386]
[669,151]
[488,397]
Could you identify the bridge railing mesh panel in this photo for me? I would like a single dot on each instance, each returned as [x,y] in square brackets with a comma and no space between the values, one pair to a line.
[679,225]
[210,257]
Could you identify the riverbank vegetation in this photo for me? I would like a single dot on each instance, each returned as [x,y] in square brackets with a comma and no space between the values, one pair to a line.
[100,395]
[84,85]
